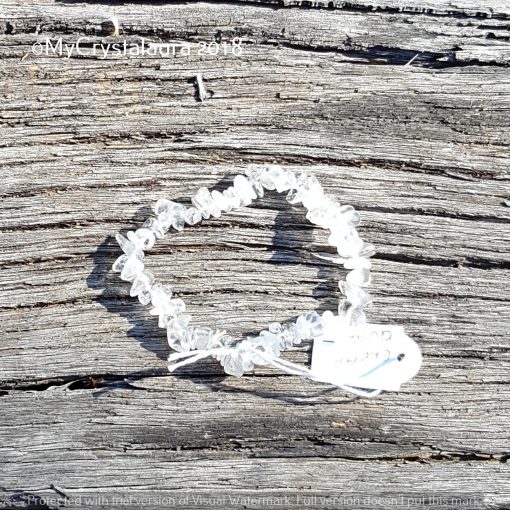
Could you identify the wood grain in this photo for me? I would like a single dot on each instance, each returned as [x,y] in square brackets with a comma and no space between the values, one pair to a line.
[399,108]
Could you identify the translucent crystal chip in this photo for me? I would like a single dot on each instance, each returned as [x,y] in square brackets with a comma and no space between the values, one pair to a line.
[203,338]
[271,342]
[315,322]
[296,193]
[200,201]
[164,206]
[367,250]
[179,222]
[347,242]
[232,197]
[233,364]
[324,214]
[118,265]
[288,336]
[246,357]
[142,282]
[293,196]
[179,339]
[222,340]
[358,317]
[359,277]
[357,296]
[143,237]
[221,201]
[173,217]
[253,172]
[312,193]
[177,306]
[144,297]
[244,190]
[132,267]
[160,294]
[303,330]
[357,262]
[179,322]
[192,216]
[204,202]
[257,187]
[155,226]
[344,309]
[275,327]
[126,245]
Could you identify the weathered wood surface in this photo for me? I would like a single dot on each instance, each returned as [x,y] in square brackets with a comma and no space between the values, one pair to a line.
[88,410]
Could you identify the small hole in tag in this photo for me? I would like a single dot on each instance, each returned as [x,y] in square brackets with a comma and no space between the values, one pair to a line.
[401,356]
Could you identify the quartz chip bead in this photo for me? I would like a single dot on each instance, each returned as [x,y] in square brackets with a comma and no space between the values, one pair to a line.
[221,201]
[132,268]
[246,355]
[142,287]
[192,216]
[155,227]
[358,317]
[203,338]
[259,344]
[357,296]
[170,214]
[179,335]
[144,238]
[307,189]
[367,250]
[164,206]
[286,334]
[357,263]
[118,265]
[232,197]
[313,194]
[164,210]
[271,342]
[359,277]
[161,302]
[244,190]
[220,339]
[347,214]
[276,178]
[179,220]
[324,214]
[254,350]
[204,202]
[275,327]
[257,188]
[128,266]
[314,321]
[346,241]
[160,294]
[176,306]
[179,340]
[308,326]
[351,315]
[130,245]
[233,363]
[254,172]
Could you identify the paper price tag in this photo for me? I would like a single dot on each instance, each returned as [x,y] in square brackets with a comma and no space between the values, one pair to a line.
[371,356]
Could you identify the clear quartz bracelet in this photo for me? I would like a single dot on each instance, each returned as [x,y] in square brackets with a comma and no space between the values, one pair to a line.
[240,356]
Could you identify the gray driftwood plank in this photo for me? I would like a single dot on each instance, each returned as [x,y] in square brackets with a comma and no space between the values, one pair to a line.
[90,416]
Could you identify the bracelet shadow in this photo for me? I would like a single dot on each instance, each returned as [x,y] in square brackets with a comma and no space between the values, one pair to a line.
[291,244]
[114,297]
